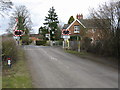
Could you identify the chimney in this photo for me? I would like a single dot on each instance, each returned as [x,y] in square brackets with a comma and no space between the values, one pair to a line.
[79,16]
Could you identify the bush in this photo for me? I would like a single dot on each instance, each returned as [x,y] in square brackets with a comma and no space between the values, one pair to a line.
[74,38]
[60,42]
[25,40]
[86,43]
[40,42]
[9,49]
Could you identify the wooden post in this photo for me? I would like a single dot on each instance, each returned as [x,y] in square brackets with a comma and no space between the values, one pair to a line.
[78,43]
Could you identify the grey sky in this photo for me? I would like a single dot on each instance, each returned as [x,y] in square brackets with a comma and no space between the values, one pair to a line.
[64,9]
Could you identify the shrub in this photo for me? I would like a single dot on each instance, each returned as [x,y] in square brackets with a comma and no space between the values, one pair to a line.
[86,43]
[9,49]
[25,40]
[40,42]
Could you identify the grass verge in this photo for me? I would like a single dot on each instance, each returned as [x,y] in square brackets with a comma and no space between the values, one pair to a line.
[18,76]
[112,62]
[77,53]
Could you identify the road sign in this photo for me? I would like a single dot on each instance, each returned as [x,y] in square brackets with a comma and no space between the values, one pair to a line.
[47,35]
[66,36]
[18,38]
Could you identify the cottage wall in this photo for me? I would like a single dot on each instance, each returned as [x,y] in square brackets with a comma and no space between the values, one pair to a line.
[72,28]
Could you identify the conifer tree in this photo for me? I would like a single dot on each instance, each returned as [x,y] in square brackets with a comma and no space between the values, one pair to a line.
[52,22]
[71,19]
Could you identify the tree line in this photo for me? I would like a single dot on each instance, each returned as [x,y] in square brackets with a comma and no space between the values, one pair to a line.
[109,42]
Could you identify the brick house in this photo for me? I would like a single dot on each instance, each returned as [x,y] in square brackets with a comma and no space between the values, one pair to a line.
[82,27]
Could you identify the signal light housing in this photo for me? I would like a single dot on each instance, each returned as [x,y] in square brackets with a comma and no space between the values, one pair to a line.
[18,33]
[66,32]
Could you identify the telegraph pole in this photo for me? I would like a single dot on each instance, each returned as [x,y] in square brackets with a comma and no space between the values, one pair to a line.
[66,36]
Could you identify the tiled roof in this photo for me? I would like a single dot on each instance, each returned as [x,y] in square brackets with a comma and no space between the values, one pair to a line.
[90,23]
[65,26]
[87,22]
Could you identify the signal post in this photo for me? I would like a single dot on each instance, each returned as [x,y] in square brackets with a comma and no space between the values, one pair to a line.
[66,37]
[17,33]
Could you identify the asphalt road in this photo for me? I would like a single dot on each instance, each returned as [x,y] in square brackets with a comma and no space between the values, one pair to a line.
[51,67]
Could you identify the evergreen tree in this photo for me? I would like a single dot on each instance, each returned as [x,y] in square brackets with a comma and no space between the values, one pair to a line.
[52,22]
[71,19]
[43,31]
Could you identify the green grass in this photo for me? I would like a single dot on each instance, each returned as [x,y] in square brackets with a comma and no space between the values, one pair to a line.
[18,76]
[0,81]
[84,55]
[96,58]
[76,52]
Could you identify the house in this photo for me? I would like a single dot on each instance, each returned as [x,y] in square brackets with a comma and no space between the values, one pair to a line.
[82,27]
[35,37]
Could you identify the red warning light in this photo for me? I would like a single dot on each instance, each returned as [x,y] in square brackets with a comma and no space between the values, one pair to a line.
[18,32]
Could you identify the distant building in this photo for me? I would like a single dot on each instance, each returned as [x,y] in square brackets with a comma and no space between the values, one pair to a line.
[35,37]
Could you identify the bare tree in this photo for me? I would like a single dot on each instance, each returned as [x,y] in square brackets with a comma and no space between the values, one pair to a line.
[23,16]
[24,23]
[106,18]
[5,5]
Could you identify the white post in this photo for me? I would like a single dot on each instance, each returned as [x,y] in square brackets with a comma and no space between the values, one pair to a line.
[63,44]
[68,45]
[51,43]
[18,40]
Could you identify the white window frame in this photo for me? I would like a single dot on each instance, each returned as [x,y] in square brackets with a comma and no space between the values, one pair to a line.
[76,28]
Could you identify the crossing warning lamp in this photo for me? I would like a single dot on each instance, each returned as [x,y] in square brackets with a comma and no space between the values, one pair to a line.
[18,32]
[66,32]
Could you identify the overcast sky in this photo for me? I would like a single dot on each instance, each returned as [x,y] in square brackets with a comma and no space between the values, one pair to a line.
[64,9]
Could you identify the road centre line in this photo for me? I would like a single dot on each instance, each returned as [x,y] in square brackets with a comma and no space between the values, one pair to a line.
[55,59]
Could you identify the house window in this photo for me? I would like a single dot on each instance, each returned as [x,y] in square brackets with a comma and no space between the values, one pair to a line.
[76,29]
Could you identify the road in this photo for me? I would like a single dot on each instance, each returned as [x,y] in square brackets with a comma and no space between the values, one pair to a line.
[51,67]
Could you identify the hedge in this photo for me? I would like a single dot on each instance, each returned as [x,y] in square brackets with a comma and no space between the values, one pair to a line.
[9,49]
[40,42]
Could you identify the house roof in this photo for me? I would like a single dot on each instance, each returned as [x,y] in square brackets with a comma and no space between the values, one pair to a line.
[65,26]
[91,23]
[74,22]
[87,23]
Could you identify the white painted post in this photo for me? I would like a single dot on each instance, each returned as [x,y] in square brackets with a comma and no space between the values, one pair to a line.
[68,44]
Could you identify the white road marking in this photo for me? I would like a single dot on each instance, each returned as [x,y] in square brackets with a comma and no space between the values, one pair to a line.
[55,59]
